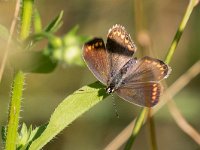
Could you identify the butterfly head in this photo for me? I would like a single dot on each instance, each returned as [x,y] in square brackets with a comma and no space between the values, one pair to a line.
[110,90]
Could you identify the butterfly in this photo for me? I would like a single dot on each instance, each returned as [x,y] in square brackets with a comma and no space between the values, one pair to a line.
[134,80]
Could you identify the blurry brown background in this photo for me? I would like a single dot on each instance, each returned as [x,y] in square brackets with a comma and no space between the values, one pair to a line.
[96,128]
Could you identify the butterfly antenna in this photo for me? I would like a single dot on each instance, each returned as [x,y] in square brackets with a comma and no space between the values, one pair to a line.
[115,106]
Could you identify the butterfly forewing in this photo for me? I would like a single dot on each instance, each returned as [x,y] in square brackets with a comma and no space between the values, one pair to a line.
[143,94]
[120,48]
[95,55]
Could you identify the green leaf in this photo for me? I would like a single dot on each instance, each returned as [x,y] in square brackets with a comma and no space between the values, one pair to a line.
[27,136]
[55,24]
[70,109]
[24,135]
[35,62]
[4,33]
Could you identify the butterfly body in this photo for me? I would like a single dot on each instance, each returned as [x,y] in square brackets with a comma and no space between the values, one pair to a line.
[134,80]
[117,80]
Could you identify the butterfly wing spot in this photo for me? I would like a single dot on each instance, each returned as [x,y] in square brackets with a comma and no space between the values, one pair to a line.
[89,48]
[122,36]
[153,98]
[159,66]
[154,90]
[96,44]
[148,61]
[154,63]
[114,32]
[154,85]
[154,93]
[118,33]
[130,47]
[100,43]
[93,46]
[161,69]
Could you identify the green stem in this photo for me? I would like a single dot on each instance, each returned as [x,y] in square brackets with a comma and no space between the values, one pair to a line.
[14,111]
[37,22]
[138,124]
[168,58]
[152,131]
[180,30]
[26,16]
[18,82]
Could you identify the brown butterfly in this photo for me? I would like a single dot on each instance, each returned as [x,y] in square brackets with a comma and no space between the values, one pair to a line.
[134,80]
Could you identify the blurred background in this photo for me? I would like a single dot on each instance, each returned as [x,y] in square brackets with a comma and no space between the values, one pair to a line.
[151,22]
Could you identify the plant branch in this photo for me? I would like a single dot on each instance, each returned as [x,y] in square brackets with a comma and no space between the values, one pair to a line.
[3,63]
[182,123]
[180,30]
[152,131]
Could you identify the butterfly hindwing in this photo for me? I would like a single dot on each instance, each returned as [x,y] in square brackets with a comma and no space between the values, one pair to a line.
[139,84]
[143,94]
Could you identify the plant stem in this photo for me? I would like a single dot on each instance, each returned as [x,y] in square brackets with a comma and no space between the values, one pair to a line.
[14,111]
[138,124]
[37,22]
[180,30]
[18,82]
[26,16]
[152,131]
